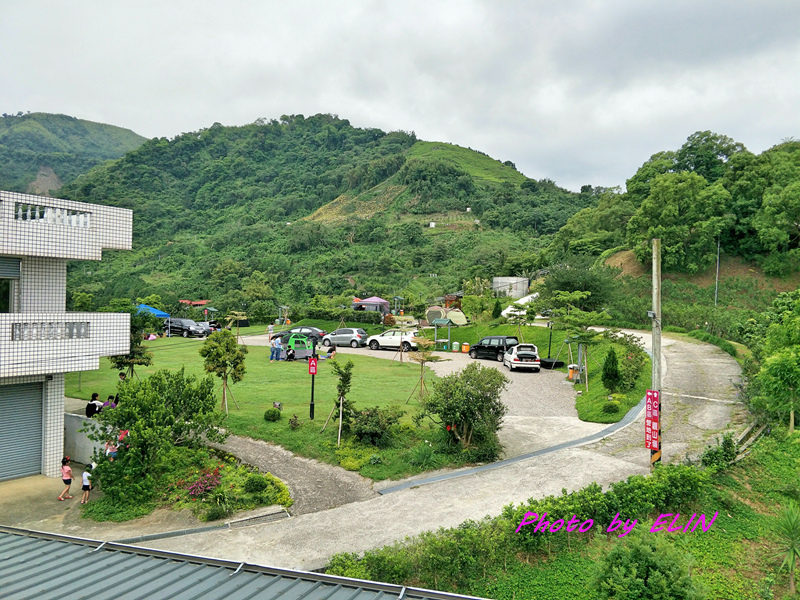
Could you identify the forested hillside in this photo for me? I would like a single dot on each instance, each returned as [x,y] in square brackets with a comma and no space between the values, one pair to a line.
[277,211]
[39,152]
[711,189]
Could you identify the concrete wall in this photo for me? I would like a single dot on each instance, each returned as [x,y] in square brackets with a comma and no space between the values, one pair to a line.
[76,444]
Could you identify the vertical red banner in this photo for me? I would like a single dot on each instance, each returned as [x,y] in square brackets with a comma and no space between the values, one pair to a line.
[312,366]
[651,425]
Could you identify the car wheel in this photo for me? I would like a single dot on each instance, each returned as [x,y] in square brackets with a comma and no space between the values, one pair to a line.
[406,346]
[354,344]
[499,357]
[374,345]
[473,354]
[326,343]
[185,334]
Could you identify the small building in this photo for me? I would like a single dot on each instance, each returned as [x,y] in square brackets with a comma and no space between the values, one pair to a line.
[513,287]
[453,300]
[39,340]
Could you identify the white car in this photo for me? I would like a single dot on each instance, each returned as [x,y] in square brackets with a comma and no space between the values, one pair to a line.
[393,339]
[522,356]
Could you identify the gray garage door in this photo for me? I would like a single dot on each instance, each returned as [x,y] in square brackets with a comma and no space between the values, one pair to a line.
[20,430]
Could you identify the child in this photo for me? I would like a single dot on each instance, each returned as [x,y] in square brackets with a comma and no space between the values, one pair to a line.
[87,483]
[66,477]
[111,450]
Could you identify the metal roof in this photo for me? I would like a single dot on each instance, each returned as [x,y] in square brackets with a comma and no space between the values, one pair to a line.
[39,566]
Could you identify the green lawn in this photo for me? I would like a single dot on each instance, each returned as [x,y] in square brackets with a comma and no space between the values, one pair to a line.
[376,382]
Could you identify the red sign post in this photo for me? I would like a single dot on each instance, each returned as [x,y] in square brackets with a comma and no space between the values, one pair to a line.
[312,370]
[652,428]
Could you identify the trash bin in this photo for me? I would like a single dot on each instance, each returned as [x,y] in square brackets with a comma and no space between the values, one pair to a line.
[465,347]
[456,347]
[444,346]
[573,372]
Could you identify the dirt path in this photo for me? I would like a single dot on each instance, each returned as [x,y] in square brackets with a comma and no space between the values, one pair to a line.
[314,485]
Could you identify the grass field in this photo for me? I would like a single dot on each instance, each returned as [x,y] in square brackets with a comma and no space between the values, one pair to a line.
[376,382]
[480,166]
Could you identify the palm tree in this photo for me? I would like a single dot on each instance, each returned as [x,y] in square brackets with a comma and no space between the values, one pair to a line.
[788,530]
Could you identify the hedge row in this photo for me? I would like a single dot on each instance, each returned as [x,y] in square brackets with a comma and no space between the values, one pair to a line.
[712,339]
[350,316]
[458,557]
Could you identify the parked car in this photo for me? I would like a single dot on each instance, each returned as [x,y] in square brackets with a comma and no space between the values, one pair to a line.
[493,346]
[315,334]
[206,326]
[346,337]
[522,356]
[184,327]
[393,338]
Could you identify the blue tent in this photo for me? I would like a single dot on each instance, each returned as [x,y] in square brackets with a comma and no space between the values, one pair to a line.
[159,313]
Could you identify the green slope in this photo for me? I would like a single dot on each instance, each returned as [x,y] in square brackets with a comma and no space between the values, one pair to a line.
[39,151]
[313,205]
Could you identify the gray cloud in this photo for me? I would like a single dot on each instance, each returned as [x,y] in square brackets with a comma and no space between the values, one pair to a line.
[580,91]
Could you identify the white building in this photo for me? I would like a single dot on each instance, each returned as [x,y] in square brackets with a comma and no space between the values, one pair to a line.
[39,340]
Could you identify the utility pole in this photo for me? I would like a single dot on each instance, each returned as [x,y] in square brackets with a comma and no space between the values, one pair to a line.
[716,283]
[655,455]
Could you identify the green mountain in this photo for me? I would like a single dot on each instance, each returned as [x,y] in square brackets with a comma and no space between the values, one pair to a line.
[39,151]
[710,193]
[278,211]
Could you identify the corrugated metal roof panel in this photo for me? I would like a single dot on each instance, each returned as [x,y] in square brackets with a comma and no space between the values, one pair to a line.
[32,566]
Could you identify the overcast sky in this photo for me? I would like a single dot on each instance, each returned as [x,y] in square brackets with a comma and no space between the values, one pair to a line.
[577,91]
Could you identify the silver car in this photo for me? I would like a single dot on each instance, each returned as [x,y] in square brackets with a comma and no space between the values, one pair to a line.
[346,336]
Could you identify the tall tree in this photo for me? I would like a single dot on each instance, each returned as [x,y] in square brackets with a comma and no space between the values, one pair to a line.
[224,357]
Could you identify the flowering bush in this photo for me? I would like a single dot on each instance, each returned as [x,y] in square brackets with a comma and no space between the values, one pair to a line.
[205,483]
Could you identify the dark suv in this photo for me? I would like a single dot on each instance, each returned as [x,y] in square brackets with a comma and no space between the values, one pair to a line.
[493,346]
[184,327]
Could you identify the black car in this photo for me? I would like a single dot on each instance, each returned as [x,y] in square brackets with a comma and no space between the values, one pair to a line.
[184,327]
[493,346]
[315,334]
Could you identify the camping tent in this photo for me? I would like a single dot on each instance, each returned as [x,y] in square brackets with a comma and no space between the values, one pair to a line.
[159,313]
[373,303]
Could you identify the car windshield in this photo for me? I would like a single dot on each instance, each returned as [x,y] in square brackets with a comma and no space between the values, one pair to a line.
[189,322]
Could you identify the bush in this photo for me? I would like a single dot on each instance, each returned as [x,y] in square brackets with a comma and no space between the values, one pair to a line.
[372,425]
[272,415]
[721,455]
[255,483]
[294,422]
[673,329]
[611,407]
[712,339]
[645,567]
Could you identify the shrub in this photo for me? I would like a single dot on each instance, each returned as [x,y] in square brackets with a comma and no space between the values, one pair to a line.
[673,329]
[645,567]
[272,415]
[423,455]
[721,455]
[611,407]
[372,425]
[255,483]
[294,422]
[724,345]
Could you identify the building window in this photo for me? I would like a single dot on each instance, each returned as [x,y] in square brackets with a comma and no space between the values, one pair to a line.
[5,295]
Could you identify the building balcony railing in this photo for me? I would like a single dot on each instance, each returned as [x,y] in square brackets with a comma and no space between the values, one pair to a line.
[43,343]
[52,227]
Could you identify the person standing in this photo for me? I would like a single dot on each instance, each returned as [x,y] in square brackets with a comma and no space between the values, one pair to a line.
[270,329]
[272,349]
[87,483]
[66,477]
[278,348]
